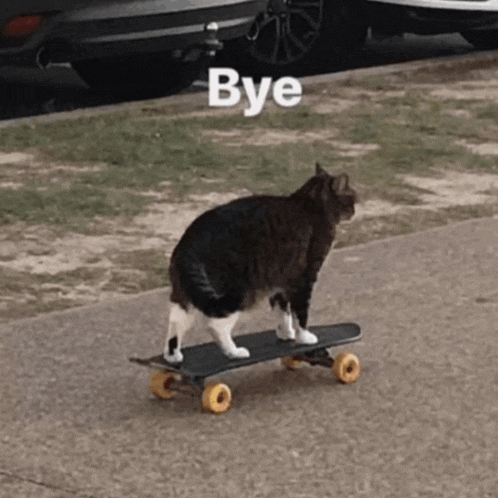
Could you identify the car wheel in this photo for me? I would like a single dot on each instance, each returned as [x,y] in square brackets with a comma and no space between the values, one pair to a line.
[483,40]
[144,75]
[294,35]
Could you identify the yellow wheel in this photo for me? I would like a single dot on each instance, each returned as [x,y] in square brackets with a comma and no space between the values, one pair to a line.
[290,362]
[216,398]
[346,368]
[160,383]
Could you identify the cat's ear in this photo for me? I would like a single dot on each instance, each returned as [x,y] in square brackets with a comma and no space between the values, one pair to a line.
[340,183]
[319,171]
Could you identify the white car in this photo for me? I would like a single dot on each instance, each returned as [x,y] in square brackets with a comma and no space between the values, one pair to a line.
[291,34]
[123,44]
[475,20]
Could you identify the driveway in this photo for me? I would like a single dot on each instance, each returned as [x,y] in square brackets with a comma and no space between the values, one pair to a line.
[76,418]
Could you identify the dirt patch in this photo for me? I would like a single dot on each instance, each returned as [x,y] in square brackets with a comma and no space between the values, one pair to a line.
[485,149]
[456,189]
[468,90]
[265,138]
[169,220]
[451,190]
[14,157]
[11,185]
[331,106]
[348,149]
[20,168]
[459,113]
[374,208]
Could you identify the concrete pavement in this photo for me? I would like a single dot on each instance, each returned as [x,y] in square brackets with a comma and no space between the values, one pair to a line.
[76,419]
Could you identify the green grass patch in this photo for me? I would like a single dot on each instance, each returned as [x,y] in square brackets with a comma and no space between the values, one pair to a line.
[489,111]
[148,148]
[65,206]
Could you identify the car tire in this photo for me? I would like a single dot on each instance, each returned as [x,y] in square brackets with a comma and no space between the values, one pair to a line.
[483,40]
[146,75]
[293,36]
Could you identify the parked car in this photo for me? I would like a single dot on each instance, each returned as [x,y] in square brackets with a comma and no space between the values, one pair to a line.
[475,20]
[292,34]
[123,44]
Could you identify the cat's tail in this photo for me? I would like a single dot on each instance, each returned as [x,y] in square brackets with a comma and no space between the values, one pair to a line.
[200,291]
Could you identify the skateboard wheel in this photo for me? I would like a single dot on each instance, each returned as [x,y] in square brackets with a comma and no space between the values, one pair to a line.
[290,362]
[346,368]
[160,383]
[216,398]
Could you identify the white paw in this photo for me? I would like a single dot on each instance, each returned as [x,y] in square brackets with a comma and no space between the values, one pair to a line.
[306,337]
[285,333]
[176,357]
[238,353]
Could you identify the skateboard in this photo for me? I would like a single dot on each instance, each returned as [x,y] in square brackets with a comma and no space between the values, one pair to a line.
[205,360]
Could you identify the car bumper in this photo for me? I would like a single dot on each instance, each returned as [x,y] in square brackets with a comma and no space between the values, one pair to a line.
[110,32]
[433,17]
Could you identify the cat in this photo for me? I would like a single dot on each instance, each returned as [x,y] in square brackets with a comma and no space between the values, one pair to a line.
[251,248]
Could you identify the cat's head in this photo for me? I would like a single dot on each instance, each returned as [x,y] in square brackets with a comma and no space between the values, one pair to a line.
[332,193]
[338,188]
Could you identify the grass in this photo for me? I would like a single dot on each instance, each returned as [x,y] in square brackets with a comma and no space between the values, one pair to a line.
[90,170]
[65,206]
[416,135]
[414,132]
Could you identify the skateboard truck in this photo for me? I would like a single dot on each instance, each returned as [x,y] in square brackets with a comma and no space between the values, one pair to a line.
[174,369]
[317,357]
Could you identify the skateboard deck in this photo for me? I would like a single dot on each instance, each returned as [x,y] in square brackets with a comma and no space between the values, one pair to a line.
[205,360]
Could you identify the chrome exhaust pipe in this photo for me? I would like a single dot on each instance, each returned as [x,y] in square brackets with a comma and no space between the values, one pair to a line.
[42,58]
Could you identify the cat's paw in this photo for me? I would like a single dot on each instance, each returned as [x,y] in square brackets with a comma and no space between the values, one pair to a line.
[306,337]
[176,357]
[238,353]
[285,333]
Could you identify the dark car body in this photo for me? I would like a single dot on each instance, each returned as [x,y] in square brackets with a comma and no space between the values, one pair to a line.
[66,31]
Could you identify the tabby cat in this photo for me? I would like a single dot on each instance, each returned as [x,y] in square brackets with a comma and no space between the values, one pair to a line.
[261,246]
